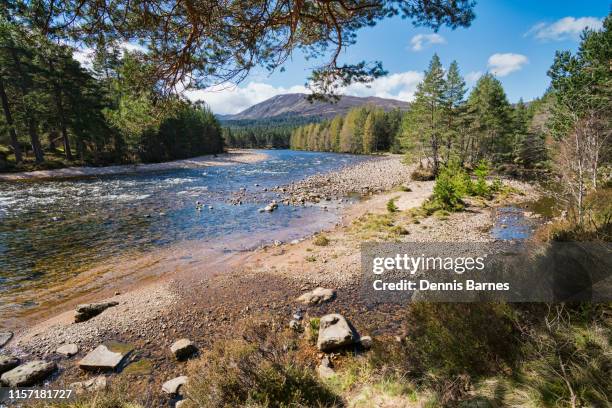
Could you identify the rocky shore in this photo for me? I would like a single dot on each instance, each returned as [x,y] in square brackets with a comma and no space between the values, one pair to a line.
[287,282]
[374,175]
[234,156]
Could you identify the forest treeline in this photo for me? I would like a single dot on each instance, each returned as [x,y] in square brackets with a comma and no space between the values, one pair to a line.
[441,125]
[266,133]
[55,112]
[365,129]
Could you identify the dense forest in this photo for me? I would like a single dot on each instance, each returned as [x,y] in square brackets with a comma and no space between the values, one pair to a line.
[271,133]
[365,129]
[55,112]
[441,125]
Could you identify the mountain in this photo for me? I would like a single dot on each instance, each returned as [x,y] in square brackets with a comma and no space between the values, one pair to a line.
[296,105]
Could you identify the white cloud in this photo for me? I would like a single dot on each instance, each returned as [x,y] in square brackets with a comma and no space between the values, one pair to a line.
[233,99]
[473,77]
[400,86]
[567,28]
[504,64]
[422,41]
[85,54]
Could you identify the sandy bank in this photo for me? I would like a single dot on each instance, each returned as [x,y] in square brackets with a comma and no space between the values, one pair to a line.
[226,159]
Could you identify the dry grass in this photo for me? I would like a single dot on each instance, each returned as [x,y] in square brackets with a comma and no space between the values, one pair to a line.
[261,368]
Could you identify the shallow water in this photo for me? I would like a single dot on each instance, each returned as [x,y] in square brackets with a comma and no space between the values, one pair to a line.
[51,231]
[511,224]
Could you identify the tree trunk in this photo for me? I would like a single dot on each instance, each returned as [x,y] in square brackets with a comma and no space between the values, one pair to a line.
[36,146]
[9,121]
[62,117]
[35,141]
[60,111]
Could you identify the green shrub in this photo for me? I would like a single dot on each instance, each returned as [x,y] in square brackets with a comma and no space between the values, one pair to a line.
[448,340]
[480,188]
[313,329]
[497,185]
[320,240]
[452,184]
[391,207]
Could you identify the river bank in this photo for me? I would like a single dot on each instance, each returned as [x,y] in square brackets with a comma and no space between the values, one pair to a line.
[210,299]
[232,157]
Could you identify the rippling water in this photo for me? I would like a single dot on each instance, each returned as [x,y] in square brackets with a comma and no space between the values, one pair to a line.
[53,230]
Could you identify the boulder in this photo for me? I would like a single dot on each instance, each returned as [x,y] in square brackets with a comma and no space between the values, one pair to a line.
[172,387]
[334,332]
[28,374]
[5,337]
[105,357]
[183,349]
[317,296]
[8,363]
[89,310]
[95,384]
[67,350]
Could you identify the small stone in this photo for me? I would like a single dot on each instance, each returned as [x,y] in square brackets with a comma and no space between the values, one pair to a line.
[172,387]
[105,357]
[8,363]
[324,370]
[180,403]
[28,374]
[317,296]
[183,349]
[5,337]
[295,325]
[95,384]
[87,311]
[365,342]
[68,350]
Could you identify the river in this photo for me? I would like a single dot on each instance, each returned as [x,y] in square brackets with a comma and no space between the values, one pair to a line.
[52,231]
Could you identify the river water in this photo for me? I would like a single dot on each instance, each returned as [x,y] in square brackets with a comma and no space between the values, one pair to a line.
[51,231]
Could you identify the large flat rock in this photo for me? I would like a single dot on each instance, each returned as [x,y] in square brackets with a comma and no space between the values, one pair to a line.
[28,374]
[106,357]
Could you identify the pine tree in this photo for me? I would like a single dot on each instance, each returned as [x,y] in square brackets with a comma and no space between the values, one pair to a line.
[454,93]
[426,126]
[491,121]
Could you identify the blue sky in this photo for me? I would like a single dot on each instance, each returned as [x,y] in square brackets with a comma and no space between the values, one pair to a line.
[516,40]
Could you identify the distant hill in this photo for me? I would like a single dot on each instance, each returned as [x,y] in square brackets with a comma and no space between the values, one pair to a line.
[296,105]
